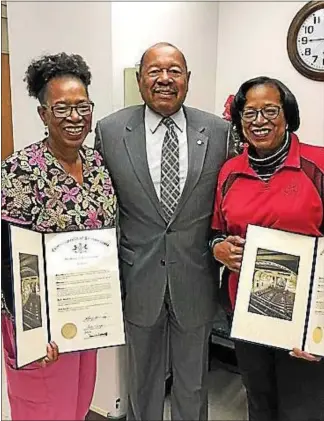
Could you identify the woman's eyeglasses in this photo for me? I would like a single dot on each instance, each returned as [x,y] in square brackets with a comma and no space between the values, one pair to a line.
[64,111]
[270,112]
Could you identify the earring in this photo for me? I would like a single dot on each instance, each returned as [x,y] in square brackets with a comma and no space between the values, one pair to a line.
[46,131]
[90,131]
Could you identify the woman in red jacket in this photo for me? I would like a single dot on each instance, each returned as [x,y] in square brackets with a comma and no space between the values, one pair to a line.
[277,182]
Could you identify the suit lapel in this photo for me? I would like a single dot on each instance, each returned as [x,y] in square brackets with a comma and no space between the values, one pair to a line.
[197,147]
[136,148]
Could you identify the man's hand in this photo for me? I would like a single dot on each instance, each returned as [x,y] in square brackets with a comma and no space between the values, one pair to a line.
[297,353]
[52,354]
[229,252]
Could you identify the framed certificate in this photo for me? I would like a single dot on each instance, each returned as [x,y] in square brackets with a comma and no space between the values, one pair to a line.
[66,289]
[280,299]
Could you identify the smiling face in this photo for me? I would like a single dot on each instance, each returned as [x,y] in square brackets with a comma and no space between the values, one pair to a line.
[163,80]
[265,134]
[67,132]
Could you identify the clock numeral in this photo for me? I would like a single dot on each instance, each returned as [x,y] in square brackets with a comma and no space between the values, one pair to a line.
[314,59]
[309,29]
[308,51]
[304,40]
[317,19]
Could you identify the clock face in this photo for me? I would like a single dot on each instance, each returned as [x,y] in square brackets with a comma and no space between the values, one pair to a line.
[310,41]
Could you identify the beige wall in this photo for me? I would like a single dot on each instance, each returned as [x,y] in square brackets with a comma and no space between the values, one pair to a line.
[41,27]
[252,42]
[191,26]
[6,112]
[4,30]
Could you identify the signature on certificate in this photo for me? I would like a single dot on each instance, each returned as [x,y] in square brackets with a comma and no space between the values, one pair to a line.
[91,319]
[95,326]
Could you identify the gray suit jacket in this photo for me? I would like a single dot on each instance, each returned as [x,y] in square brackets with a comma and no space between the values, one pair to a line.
[153,252]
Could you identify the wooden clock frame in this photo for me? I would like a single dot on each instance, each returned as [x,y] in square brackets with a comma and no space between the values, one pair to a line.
[293,30]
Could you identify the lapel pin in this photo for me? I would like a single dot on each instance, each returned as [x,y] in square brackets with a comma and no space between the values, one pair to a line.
[200,142]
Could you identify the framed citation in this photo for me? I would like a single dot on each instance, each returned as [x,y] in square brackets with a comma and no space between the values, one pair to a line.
[280,299]
[66,289]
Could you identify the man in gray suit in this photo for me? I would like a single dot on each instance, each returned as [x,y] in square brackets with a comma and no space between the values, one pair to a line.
[164,159]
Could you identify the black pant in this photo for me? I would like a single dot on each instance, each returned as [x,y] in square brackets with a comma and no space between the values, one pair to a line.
[280,387]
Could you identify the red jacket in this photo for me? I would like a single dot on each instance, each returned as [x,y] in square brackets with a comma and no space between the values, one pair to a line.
[292,200]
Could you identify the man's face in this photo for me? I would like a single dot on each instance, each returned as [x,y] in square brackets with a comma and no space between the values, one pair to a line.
[163,81]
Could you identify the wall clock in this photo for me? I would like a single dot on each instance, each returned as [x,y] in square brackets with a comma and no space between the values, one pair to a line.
[305,40]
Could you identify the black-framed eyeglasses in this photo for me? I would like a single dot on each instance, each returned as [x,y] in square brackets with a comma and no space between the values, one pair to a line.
[270,112]
[64,110]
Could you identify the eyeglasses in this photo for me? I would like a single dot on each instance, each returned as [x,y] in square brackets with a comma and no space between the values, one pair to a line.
[64,111]
[270,112]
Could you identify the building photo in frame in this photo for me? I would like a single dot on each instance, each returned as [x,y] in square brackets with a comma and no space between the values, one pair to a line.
[274,284]
[30,291]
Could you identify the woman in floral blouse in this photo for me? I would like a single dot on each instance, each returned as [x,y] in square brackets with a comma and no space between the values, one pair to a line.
[56,184]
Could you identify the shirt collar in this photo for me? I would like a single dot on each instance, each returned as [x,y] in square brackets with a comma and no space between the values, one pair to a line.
[153,120]
[292,160]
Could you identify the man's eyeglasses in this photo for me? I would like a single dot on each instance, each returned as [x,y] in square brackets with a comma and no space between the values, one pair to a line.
[64,111]
[270,112]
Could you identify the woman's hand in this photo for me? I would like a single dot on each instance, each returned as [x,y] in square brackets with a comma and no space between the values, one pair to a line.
[229,252]
[297,353]
[52,354]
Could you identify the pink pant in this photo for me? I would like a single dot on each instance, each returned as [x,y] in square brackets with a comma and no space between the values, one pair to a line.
[61,391]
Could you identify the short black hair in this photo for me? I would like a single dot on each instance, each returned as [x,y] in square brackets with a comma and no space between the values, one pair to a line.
[161,44]
[288,100]
[42,70]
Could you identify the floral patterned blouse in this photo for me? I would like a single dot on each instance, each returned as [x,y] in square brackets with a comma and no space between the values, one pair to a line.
[38,193]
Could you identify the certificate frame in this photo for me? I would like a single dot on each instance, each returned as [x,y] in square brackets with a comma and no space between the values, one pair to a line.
[74,297]
[280,290]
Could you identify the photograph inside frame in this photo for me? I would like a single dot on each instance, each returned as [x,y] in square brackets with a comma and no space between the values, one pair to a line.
[30,291]
[274,284]
[280,300]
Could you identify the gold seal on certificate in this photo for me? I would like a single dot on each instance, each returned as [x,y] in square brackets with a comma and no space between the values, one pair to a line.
[69,330]
[318,335]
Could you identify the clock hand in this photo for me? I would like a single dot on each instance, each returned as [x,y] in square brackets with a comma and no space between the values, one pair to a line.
[316,39]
